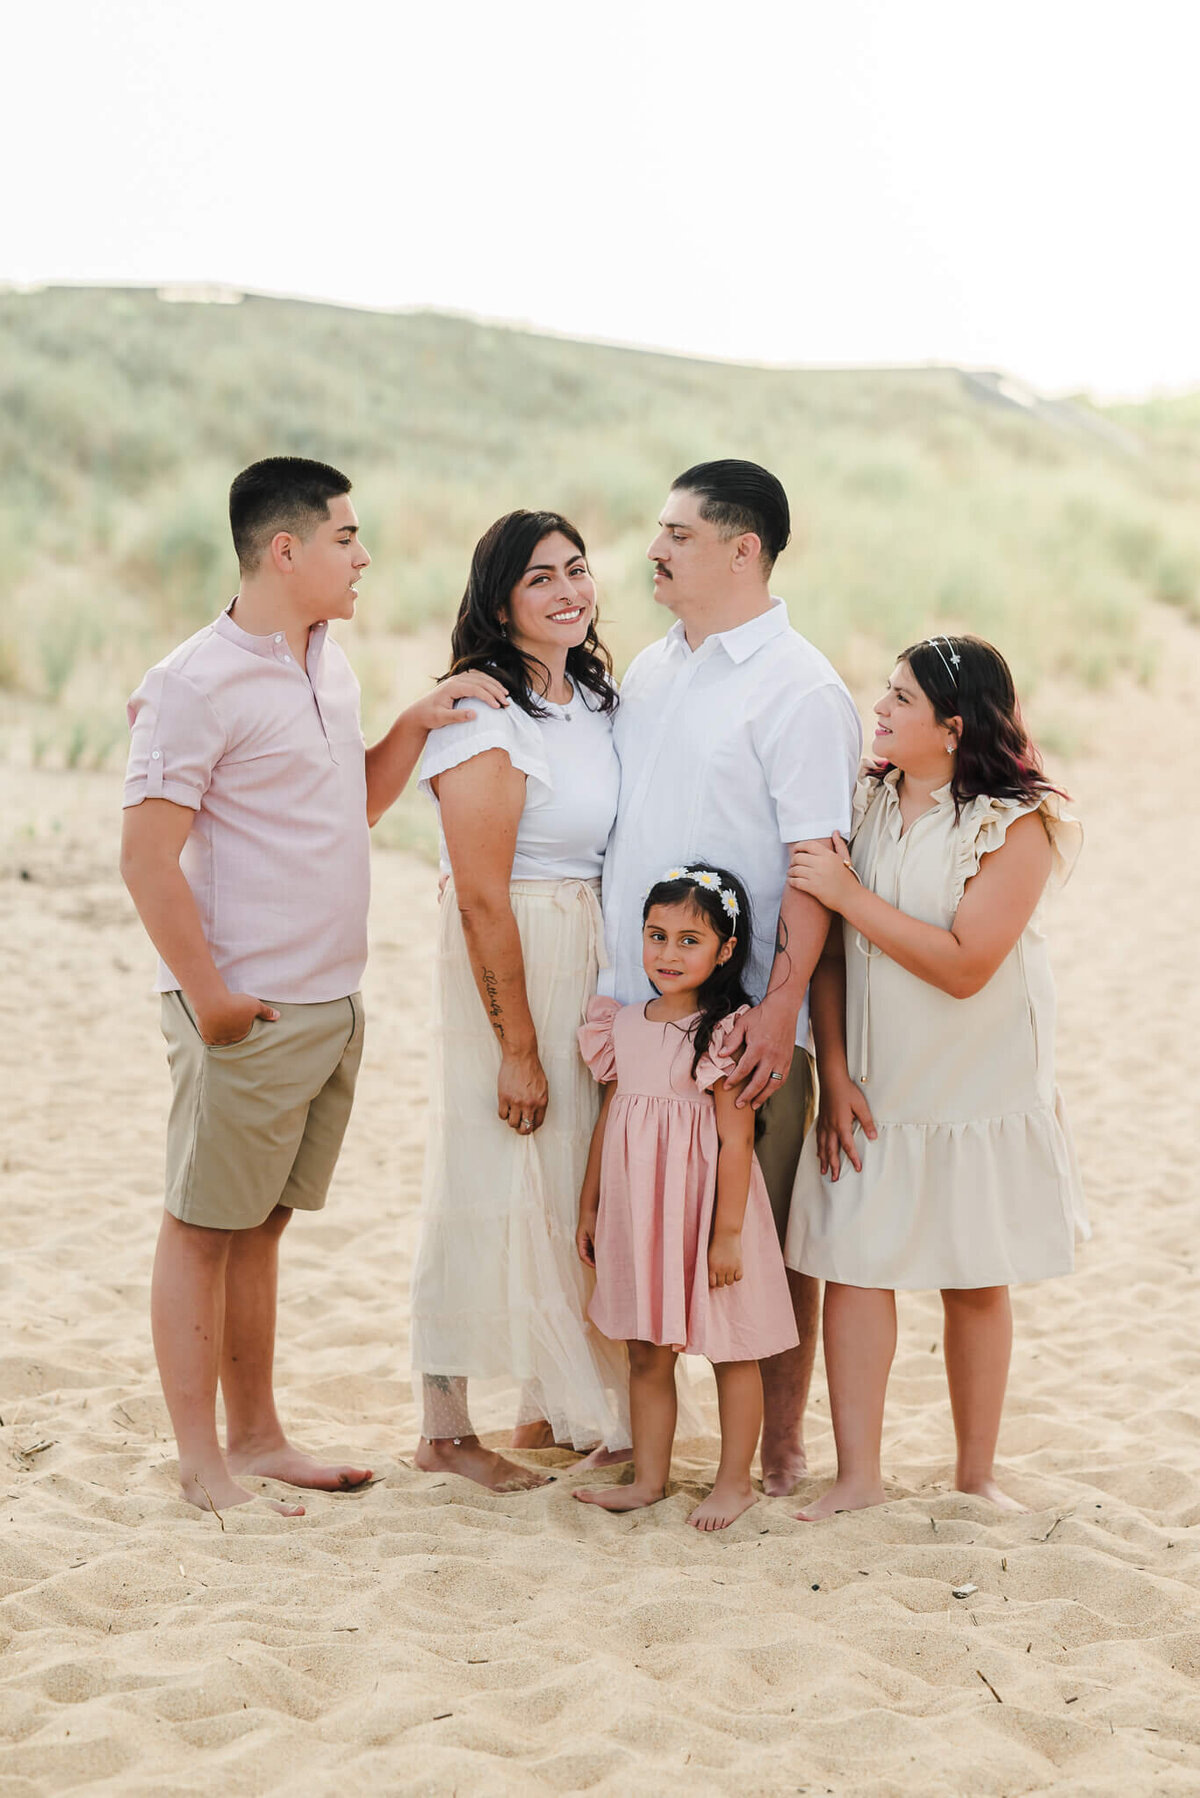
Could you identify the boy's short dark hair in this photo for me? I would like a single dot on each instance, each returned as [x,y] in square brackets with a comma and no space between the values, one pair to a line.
[741,496]
[282,493]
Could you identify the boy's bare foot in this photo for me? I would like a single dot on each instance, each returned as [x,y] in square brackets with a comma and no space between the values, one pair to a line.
[723,1504]
[843,1495]
[620,1498]
[216,1492]
[291,1465]
[469,1458]
[604,1457]
[784,1462]
[990,1490]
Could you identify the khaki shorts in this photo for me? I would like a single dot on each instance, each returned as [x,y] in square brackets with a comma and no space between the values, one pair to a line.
[258,1123]
[787,1119]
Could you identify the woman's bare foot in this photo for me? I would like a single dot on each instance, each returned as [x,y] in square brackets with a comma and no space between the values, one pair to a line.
[469,1458]
[723,1504]
[283,1462]
[843,1495]
[620,1498]
[990,1490]
[533,1435]
[604,1457]
[214,1491]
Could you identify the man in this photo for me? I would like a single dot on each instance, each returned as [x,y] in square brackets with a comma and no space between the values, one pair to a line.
[248,797]
[737,741]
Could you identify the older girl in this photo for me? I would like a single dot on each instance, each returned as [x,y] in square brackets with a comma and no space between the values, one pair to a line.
[933,1010]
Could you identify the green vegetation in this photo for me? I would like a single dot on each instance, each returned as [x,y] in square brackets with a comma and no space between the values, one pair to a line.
[924,499]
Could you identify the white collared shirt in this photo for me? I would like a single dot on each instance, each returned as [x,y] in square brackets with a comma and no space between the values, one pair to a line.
[729,753]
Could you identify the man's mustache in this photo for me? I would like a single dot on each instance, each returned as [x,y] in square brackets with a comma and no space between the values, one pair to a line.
[665,572]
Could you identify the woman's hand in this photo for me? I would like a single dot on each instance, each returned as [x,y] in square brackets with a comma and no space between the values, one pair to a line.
[725,1258]
[585,1238]
[825,874]
[843,1104]
[521,1093]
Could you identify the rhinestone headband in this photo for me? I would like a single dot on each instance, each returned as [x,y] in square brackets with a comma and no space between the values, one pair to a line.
[950,664]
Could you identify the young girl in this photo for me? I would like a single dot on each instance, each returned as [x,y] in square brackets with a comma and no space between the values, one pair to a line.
[674,1214]
[933,1011]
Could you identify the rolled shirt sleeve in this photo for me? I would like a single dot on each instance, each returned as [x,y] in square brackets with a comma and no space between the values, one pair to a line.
[810,745]
[176,740]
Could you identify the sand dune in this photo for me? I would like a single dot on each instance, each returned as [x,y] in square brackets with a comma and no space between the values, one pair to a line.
[426,1637]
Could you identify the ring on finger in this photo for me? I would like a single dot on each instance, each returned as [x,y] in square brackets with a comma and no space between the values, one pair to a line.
[525,1123]
[777,1076]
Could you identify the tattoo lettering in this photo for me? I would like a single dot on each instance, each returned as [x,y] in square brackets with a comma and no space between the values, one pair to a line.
[491,987]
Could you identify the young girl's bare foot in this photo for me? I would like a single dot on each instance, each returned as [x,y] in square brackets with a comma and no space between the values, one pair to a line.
[469,1458]
[215,1492]
[843,1495]
[990,1490]
[604,1457]
[283,1462]
[621,1498]
[723,1504]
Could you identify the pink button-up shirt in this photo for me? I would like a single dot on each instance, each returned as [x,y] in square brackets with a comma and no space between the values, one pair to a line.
[271,759]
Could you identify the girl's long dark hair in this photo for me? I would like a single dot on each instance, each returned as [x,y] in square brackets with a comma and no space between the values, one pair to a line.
[479,638]
[964,677]
[723,991]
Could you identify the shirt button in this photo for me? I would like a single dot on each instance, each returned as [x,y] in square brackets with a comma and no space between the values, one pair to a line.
[287,658]
[279,636]
[156,755]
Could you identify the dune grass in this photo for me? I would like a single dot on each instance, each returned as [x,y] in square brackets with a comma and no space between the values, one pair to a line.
[920,503]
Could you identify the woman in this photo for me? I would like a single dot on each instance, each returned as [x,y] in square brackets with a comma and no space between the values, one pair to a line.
[935,1037]
[526,799]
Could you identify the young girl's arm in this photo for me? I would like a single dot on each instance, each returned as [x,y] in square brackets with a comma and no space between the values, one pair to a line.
[735,1132]
[589,1197]
[996,905]
[842,1101]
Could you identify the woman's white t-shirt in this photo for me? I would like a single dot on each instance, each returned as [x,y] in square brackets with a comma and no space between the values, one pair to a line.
[572,780]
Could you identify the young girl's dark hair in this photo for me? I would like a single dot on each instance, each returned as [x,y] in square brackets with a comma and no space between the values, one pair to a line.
[964,677]
[722,992]
[480,638]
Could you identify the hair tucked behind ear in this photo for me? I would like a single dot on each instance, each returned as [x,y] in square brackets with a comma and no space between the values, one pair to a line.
[723,991]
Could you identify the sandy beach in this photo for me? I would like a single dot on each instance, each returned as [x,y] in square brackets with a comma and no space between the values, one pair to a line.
[427,1637]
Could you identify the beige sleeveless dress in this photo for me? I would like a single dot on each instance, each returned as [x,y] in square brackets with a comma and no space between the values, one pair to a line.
[972,1181]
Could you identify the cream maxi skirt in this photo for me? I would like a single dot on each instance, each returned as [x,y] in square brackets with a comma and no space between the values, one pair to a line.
[498,1291]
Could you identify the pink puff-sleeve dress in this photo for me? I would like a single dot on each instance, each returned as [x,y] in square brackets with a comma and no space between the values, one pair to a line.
[658,1190]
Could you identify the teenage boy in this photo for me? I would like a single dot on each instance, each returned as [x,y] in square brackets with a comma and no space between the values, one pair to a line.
[248,797]
[737,740]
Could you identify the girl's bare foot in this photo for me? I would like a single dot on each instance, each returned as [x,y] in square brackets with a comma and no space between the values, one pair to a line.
[469,1458]
[990,1490]
[283,1462]
[621,1498]
[533,1435]
[843,1495]
[604,1457]
[214,1491]
[723,1504]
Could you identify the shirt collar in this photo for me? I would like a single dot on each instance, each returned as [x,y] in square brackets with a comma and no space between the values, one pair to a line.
[744,640]
[274,644]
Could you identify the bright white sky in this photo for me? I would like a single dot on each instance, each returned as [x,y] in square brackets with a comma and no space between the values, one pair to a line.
[845,181]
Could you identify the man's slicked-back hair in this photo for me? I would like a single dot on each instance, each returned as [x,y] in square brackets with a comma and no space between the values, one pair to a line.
[282,493]
[741,496]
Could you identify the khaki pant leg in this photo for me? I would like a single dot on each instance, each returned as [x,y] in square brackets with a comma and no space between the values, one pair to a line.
[787,1119]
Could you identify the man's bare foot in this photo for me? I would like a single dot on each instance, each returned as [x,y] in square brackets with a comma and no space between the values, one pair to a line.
[620,1498]
[723,1504]
[604,1457]
[843,1495]
[295,1468]
[784,1464]
[469,1458]
[990,1490]
[533,1435]
[216,1492]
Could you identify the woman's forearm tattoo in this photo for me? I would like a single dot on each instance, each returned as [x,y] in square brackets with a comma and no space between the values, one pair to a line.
[491,987]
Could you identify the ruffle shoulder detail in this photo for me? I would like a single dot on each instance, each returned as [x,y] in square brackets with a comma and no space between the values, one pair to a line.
[985,824]
[717,1061]
[595,1037]
[493,727]
[867,790]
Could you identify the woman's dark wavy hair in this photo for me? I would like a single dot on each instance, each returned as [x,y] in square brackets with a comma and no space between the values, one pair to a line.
[723,991]
[479,639]
[996,755]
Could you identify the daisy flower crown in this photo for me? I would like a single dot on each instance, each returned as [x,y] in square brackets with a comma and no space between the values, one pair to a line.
[708,878]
